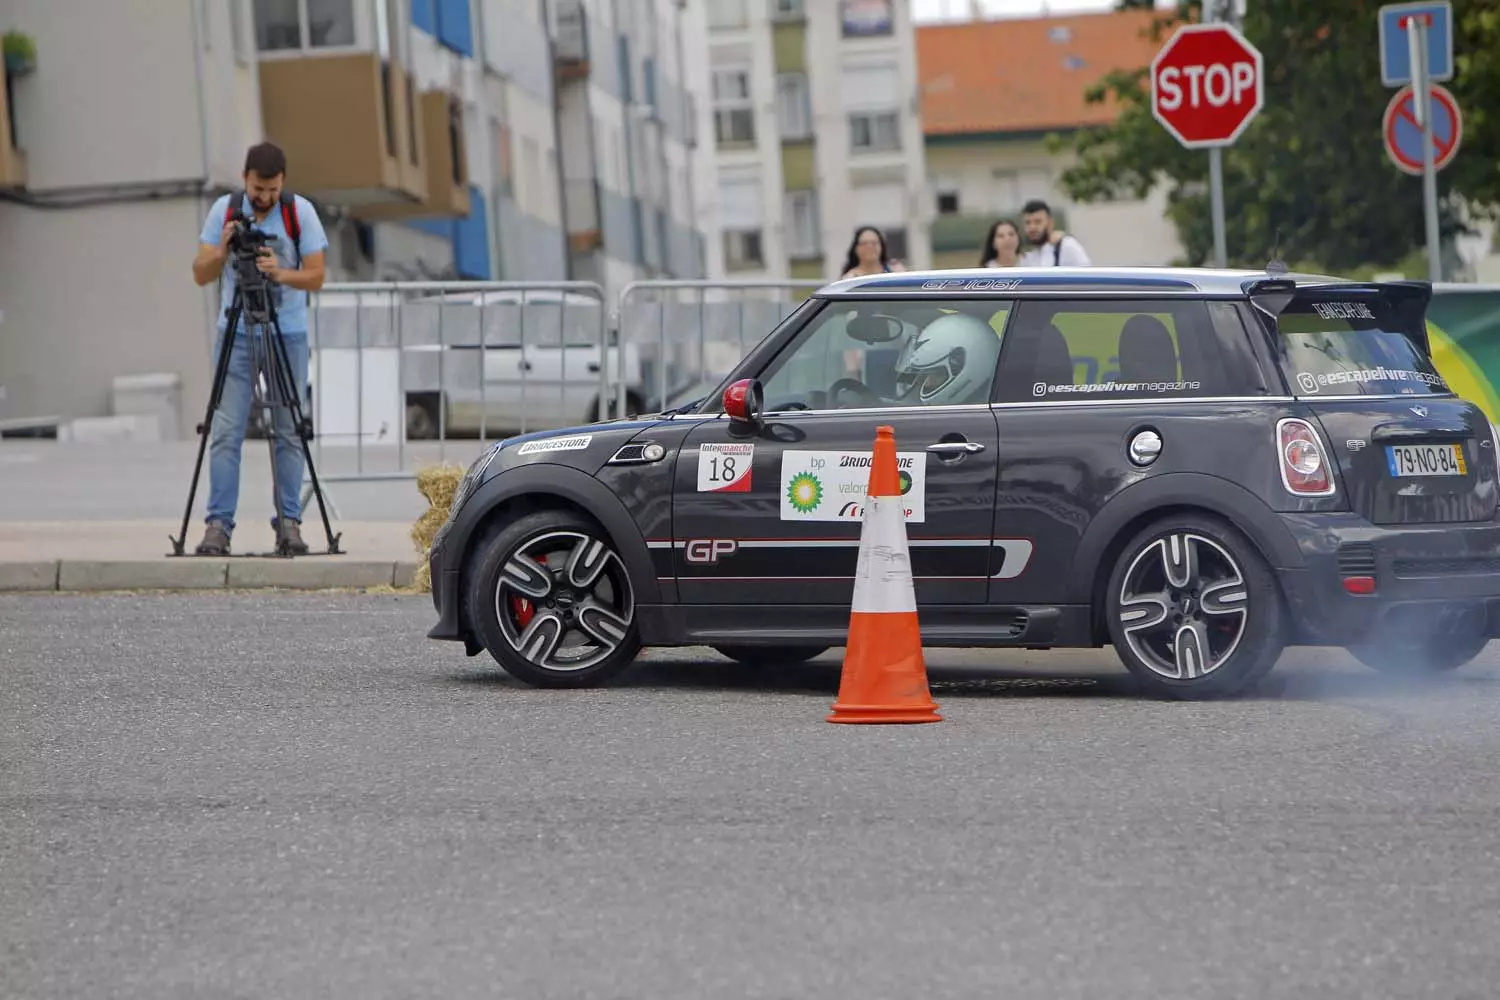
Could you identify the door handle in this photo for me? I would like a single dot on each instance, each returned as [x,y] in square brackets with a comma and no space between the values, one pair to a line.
[525,366]
[955,447]
[593,366]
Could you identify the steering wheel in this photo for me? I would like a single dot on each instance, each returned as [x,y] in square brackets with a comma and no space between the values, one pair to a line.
[865,393]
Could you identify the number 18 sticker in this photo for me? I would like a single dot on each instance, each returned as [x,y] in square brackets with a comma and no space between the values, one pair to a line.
[724,468]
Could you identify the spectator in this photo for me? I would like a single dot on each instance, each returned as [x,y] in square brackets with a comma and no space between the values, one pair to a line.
[867,254]
[1002,247]
[1050,247]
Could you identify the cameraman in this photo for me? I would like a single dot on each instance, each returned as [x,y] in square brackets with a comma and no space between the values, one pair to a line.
[294,269]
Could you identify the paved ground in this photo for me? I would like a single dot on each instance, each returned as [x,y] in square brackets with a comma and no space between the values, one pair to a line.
[220,795]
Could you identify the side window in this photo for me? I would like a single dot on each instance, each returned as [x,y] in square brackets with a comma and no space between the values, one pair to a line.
[879,353]
[1118,349]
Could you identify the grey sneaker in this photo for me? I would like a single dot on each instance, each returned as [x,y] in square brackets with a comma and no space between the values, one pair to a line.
[215,540]
[289,538]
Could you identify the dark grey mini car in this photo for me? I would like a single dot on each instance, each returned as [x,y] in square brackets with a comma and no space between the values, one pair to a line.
[1198,467]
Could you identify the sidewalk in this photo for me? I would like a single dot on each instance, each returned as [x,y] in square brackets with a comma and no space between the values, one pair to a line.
[133,555]
[78,517]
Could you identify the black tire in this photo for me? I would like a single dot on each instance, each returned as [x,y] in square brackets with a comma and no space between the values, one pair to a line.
[1243,626]
[633,407]
[770,656]
[421,417]
[1434,656]
[487,597]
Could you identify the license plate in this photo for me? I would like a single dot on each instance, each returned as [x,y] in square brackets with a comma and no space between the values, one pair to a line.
[1407,460]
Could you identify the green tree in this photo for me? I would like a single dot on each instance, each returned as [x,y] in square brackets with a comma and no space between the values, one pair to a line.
[1312,165]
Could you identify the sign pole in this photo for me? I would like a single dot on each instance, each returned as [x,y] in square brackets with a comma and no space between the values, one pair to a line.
[1216,173]
[1421,92]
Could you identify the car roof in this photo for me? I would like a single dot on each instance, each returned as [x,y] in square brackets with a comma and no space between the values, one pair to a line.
[1020,280]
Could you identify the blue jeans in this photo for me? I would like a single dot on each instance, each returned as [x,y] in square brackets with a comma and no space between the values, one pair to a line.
[227,435]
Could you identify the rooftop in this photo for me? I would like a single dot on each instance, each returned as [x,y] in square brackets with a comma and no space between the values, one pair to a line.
[1026,74]
[1209,281]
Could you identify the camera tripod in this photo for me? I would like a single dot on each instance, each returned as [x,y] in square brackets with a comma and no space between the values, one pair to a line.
[273,389]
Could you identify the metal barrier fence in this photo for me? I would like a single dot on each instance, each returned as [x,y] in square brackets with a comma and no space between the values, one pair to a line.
[400,371]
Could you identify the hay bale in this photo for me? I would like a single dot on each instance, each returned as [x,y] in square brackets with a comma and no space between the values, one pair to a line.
[437,483]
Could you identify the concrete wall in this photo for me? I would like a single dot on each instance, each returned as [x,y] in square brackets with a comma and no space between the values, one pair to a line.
[93,313]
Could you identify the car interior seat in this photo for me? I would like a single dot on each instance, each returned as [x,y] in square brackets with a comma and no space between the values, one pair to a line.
[1147,353]
[1054,362]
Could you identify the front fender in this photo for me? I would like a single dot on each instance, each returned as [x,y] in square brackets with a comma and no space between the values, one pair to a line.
[541,479]
[1244,509]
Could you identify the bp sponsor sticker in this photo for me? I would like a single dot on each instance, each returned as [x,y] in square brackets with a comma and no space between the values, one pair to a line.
[830,485]
[724,468]
[576,442]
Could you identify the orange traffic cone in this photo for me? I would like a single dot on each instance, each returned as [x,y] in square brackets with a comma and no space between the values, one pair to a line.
[884,676]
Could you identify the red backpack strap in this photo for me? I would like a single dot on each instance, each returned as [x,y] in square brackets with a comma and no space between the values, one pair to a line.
[228,209]
[289,222]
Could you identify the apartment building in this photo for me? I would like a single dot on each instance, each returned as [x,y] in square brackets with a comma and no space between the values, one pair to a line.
[993,91]
[816,131]
[530,140]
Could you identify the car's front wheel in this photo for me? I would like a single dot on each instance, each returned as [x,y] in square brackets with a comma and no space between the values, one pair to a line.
[551,601]
[1432,655]
[1193,609]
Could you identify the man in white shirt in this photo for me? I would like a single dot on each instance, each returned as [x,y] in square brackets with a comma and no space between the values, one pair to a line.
[1049,247]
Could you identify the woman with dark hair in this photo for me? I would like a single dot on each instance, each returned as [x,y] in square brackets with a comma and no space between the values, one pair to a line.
[1002,247]
[867,254]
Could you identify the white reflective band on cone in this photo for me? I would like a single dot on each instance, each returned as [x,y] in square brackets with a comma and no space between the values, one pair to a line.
[882,580]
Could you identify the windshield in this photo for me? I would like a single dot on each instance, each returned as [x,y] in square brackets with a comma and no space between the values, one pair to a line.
[1353,347]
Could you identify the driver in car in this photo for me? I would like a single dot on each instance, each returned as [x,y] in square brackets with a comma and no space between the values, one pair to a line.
[950,362]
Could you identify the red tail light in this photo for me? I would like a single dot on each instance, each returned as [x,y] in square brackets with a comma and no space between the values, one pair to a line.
[1305,467]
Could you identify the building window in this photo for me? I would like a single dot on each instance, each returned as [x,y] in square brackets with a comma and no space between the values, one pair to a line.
[726,15]
[874,132]
[801,210]
[895,242]
[947,203]
[734,113]
[282,25]
[793,108]
[742,250]
[866,18]
[741,218]
[787,10]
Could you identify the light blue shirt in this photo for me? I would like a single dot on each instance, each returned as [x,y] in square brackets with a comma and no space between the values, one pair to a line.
[291,303]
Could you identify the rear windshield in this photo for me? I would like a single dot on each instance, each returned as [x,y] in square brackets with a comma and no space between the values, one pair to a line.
[1353,347]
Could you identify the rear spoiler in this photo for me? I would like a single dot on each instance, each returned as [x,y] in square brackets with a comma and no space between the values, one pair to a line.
[1409,300]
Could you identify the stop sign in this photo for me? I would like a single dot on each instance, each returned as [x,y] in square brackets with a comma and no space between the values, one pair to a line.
[1207,83]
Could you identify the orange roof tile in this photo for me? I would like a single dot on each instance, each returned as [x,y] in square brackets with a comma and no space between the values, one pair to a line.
[1025,74]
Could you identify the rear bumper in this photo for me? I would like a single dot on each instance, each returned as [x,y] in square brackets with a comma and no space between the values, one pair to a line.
[1428,579]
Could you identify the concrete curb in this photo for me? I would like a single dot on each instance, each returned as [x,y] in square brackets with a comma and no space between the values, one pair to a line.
[199,573]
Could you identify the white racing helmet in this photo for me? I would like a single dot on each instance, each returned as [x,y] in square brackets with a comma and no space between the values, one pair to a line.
[950,360]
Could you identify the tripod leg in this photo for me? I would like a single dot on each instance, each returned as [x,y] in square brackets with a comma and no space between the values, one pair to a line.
[269,402]
[293,394]
[215,397]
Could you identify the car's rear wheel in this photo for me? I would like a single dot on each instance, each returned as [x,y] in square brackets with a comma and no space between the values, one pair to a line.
[1193,609]
[770,656]
[551,600]
[1436,654]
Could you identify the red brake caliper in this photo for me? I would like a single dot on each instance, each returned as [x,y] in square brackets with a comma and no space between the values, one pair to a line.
[524,609]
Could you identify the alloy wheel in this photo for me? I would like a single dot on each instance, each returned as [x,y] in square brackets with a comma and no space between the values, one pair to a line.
[1183,606]
[564,602]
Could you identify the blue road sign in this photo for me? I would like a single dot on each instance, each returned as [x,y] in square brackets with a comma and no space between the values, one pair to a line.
[1403,136]
[1395,48]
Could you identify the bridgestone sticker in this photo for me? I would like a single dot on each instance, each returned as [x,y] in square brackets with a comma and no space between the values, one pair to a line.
[1314,382]
[831,485]
[725,468]
[576,443]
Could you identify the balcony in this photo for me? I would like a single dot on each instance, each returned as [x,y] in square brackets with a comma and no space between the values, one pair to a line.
[351,124]
[571,42]
[447,166]
[12,160]
[581,209]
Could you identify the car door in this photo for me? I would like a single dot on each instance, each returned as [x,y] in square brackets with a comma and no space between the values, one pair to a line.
[771,514]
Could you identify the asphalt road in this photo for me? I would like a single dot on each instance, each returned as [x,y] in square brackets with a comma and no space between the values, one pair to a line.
[222,795]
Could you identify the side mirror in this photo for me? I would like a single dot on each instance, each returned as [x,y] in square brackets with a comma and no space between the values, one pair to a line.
[743,401]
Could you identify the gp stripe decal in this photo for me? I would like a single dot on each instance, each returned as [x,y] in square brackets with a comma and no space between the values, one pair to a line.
[1016,552]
